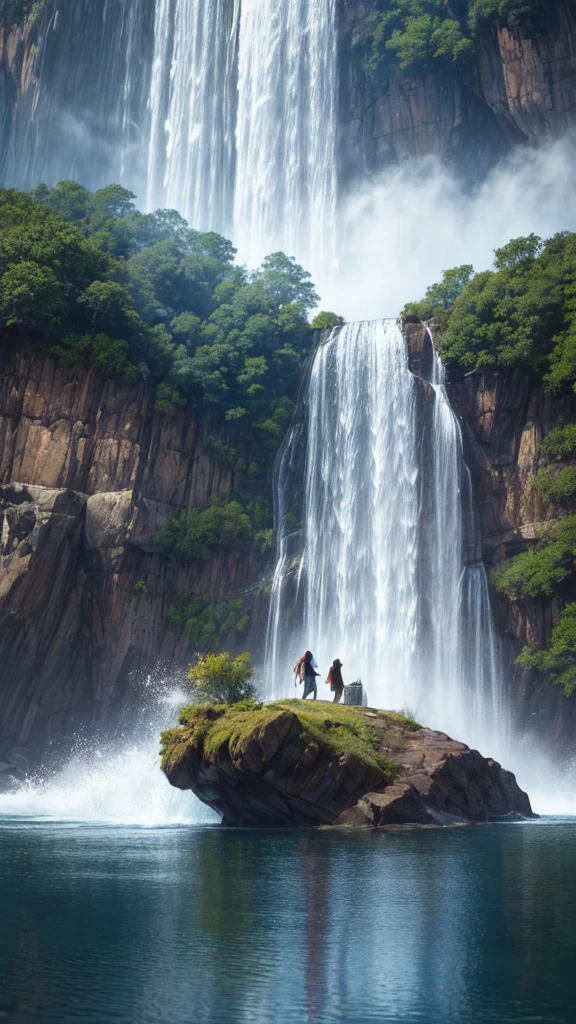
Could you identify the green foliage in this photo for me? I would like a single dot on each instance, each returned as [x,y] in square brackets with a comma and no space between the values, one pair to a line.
[140,588]
[558,661]
[559,489]
[560,443]
[220,679]
[168,399]
[537,573]
[441,296]
[326,321]
[144,294]
[220,527]
[505,11]
[521,313]
[205,624]
[222,453]
[31,298]
[420,36]
[15,12]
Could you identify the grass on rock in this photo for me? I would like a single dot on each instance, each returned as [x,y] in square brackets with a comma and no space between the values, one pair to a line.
[225,731]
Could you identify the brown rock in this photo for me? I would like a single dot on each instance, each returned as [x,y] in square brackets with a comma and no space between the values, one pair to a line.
[281,773]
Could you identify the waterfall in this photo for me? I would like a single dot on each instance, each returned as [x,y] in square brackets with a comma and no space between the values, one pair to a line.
[387,577]
[191,103]
[82,112]
[286,130]
[225,111]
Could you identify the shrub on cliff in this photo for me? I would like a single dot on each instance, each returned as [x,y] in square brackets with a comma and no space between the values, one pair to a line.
[423,36]
[537,573]
[203,531]
[559,660]
[220,679]
[521,313]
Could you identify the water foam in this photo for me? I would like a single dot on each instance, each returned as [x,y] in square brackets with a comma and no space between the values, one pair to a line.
[116,781]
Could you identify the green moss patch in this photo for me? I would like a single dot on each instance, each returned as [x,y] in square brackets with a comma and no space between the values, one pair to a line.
[220,732]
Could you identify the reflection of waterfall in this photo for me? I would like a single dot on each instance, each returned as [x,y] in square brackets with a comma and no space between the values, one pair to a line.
[224,110]
[384,580]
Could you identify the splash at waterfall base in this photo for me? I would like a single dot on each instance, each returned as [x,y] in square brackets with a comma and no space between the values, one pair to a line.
[284,765]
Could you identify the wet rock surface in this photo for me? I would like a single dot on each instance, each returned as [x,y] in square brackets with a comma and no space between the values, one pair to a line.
[284,765]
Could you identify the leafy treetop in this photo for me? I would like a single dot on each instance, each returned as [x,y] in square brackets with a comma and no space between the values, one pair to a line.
[220,679]
[144,294]
[420,36]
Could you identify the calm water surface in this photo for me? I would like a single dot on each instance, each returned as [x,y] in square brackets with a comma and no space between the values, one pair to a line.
[192,925]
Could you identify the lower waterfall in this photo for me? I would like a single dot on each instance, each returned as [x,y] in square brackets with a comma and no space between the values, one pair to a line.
[378,560]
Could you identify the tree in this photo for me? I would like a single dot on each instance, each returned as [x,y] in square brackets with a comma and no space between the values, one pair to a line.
[287,282]
[31,298]
[325,321]
[219,679]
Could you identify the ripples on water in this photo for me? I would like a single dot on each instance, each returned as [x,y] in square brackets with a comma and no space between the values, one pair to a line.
[195,924]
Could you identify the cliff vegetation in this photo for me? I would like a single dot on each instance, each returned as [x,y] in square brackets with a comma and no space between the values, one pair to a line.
[522,316]
[420,36]
[143,295]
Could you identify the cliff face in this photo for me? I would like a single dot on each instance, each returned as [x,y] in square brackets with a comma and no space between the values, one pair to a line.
[504,416]
[521,89]
[88,473]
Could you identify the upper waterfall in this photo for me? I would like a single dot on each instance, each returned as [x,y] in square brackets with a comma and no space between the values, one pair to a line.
[225,111]
[385,576]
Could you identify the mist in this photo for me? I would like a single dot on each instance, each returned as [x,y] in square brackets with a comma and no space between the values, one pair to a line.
[400,231]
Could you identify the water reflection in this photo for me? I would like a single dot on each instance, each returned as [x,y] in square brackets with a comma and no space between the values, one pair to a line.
[235,927]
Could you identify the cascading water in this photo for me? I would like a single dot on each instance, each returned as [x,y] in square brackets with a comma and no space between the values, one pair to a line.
[192,103]
[387,579]
[225,111]
[286,149]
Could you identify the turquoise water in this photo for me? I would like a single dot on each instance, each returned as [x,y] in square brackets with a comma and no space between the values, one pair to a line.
[201,924]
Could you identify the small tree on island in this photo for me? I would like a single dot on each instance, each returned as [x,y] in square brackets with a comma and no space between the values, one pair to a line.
[220,679]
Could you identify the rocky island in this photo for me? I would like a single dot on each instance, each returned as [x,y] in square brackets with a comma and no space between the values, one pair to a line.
[294,764]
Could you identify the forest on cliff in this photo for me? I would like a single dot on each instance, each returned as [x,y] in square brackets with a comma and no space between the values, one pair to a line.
[100,283]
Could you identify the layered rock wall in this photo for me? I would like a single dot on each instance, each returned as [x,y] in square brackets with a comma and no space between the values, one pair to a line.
[88,473]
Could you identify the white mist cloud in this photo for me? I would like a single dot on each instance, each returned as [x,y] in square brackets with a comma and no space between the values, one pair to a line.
[399,232]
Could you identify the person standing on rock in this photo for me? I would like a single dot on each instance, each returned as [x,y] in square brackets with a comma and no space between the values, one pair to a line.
[305,672]
[335,681]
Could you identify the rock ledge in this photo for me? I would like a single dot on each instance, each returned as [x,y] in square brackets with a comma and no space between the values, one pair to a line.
[292,764]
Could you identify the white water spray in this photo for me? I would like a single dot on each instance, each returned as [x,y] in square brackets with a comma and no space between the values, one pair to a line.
[114,781]
[386,583]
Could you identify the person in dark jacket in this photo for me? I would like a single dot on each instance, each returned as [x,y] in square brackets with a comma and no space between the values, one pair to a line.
[335,681]
[305,672]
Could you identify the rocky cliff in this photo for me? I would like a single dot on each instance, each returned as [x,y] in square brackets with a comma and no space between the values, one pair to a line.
[520,89]
[292,763]
[504,416]
[88,472]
